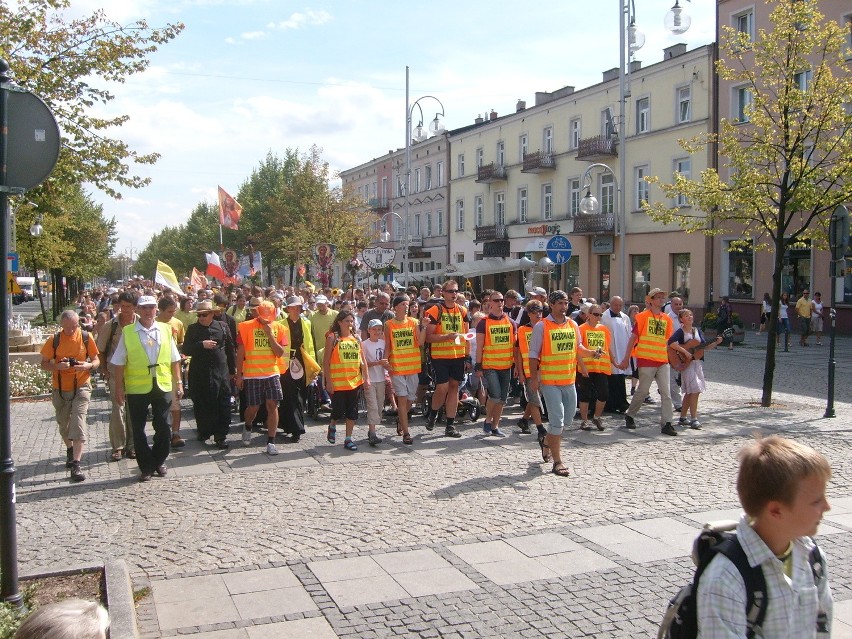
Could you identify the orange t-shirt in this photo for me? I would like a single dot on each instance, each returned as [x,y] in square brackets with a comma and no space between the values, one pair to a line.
[70,346]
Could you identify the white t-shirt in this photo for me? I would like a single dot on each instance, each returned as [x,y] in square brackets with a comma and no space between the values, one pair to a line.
[373,352]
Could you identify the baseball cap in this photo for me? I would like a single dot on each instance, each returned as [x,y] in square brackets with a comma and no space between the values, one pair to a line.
[321,299]
[146,300]
[294,300]
[266,311]
[374,323]
[654,291]
[538,291]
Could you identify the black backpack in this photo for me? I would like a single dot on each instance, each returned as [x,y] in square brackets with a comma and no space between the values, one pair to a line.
[57,335]
[681,618]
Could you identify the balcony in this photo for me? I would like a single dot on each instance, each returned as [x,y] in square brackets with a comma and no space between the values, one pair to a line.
[602,224]
[538,162]
[597,148]
[378,203]
[490,233]
[489,173]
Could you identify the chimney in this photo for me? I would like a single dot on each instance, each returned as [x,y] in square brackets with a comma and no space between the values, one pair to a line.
[542,97]
[479,119]
[492,115]
[520,106]
[610,74]
[674,51]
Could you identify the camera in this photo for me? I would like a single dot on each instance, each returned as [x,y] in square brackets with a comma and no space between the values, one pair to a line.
[71,361]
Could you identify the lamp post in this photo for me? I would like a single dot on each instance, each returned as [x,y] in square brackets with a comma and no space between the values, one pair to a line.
[590,205]
[36,230]
[631,39]
[386,236]
[435,127]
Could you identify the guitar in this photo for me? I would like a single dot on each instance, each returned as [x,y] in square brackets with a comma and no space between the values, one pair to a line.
[696,347]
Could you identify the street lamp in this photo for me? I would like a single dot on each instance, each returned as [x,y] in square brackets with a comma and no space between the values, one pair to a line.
[436,127]
[36,230]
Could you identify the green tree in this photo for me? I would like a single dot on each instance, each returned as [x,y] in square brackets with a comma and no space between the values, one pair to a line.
[789,164]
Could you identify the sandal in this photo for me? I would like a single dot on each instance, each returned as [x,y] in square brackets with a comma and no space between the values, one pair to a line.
[130,454]
[545,450]
[331,435]
[407,439]
[116,455]
[560,470]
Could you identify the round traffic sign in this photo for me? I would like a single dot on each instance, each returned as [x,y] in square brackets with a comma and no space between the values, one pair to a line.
[33,140]
[559,249]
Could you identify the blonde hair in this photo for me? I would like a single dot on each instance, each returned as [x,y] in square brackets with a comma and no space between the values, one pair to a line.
[67,619]
[772,468]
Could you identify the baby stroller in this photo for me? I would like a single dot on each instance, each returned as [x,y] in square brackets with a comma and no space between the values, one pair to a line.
[469,406]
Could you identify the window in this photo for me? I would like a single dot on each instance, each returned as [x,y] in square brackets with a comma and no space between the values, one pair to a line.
[439,216]
[607,198]
[640,173]
[547,202]
[440,169]
[742,102]
[522,205]
[796,274]
[523,145]
[744,23]
[460,215]
[575,133]
[641,269]
[607,123]
[547,146]
[740,270]
[428,177]
[417,225]
[500,209]
[417,180]
[643,115]
[478,210]
[680,275]
[846,23]
[684,167]
[501,153]
[575,194]
[480,157]
[684,104]
[803,80]
[459,258]
[384,188]
[428,223]
[603,289]
[461,164]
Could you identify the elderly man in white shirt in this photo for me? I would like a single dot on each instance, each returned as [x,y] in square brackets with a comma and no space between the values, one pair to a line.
[620,328]
[675,307]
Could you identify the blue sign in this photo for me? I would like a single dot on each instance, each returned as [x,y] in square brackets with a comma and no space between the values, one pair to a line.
[559,249]
[12,262]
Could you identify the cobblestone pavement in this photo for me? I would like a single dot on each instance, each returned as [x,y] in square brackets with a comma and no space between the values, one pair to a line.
[235,544]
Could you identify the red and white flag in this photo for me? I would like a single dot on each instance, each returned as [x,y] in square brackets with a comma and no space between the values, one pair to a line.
[229,211]
[214,266]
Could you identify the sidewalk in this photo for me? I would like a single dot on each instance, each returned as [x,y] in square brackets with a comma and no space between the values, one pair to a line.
[448,538]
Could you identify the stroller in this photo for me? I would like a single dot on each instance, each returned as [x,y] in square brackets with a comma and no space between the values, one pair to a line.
[469,406]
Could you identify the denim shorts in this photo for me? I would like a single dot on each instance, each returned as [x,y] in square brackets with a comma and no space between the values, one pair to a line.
[497,383]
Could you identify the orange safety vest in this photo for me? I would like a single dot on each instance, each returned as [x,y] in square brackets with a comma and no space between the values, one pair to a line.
[451,321]
[557,361]
[654,333]
[405,346]
[498,343]
[524,337]
[260,362]
[345,365]
[593,339]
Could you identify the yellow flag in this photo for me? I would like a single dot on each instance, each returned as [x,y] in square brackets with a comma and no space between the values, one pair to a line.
[166,276]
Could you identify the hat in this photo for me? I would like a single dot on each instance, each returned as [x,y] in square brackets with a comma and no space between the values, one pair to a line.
[204,305]
[254,302]
[294,300]
[321,299]
[538,291]
[266,311]
[146,300]
[654,291]
[374,323]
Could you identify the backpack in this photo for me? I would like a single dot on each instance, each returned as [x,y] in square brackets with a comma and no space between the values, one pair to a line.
[681,618]
[59,334]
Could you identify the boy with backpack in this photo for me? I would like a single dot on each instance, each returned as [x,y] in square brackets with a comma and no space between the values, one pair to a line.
[781,486]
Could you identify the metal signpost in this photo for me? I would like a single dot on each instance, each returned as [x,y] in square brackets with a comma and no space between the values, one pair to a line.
[838,236]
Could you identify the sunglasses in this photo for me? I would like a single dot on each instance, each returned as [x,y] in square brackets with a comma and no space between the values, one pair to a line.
[501,300]
[205,314]
[534,311]
[597,314]
[450,292]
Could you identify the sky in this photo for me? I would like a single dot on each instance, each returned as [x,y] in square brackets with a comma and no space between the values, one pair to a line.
[247,77]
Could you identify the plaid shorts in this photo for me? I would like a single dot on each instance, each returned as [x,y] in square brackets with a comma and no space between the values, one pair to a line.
[259,390]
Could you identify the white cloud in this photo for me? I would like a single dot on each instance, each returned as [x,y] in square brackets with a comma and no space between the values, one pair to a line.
[253,35]
[307,18]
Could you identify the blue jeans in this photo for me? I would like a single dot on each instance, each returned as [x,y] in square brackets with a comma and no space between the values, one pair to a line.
[561,402]
[497,383]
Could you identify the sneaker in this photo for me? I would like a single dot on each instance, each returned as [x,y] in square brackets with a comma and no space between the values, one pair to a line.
[162,471]
[452,432]
[373,438]
[350,445]
[668,429]
[649,400]
[271,449]
[598,423]
[486,428]
[178,441]
[430,421]
[524,425]
[683,421]
[331,434]
[222,444]
[585,425]
[496,432]
[695,424]
[677,408]
[246,437]
[76,473]
[629,422]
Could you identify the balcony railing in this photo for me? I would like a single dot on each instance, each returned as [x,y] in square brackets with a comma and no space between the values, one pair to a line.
[538,162]
[490,233]
[594,224]
[491,173]
[378,203]
[600,146]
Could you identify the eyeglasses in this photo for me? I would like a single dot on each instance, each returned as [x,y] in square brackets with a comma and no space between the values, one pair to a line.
[501,300]
[597,314]
[450,291]
[205,314]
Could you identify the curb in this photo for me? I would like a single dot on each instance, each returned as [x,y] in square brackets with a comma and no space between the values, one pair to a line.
[119,593]
[29,398]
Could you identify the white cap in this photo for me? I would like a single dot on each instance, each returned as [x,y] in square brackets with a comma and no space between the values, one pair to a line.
[321,299]
[146,300]
[374,323]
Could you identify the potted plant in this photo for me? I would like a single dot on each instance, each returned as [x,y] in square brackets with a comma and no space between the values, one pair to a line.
[708,325]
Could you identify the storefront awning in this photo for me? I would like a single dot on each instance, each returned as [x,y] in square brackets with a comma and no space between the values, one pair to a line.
[489,266]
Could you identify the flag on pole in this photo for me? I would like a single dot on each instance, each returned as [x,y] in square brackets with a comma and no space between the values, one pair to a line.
[166,276]
[229,210]
[198,280]
[214,266]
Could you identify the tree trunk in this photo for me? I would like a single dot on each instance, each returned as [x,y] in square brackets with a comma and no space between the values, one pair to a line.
[769,364]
